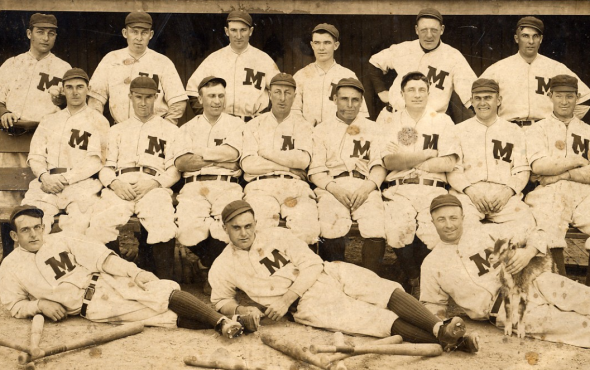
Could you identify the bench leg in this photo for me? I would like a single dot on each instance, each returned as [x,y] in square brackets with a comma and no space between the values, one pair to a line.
[557,254]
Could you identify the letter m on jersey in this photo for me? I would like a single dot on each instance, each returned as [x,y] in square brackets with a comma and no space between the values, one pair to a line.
[45,83]
[542,85]
[430,141]
[437,79]
[277,264]
[80,140]
[483,266]
[359,150]
[254,78]
[62,266]
[502,152]
[580,146]
[288,143]
[156,145]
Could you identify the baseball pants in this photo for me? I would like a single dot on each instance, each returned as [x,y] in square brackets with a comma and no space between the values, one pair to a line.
[335,218]
[290,198]
[199,208]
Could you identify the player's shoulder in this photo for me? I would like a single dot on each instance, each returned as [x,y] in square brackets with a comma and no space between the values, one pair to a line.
[325,127]
[412,45]
[154,56]
[259,54]
[232,121]
[255,122]
[309,71]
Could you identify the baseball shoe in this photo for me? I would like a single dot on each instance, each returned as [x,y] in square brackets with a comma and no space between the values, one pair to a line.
[229,328]
[469,343]
[450,333]
[249,323]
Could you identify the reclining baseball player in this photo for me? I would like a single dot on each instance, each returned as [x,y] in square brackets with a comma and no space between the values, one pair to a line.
[60,275]
[279,271]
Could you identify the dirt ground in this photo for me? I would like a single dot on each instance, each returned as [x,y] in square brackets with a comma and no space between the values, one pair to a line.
[157,348]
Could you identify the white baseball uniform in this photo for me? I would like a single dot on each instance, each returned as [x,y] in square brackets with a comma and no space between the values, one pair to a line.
[491,156]
[339,149]
[316,89]
[408,204]
[565,202]
[557,307]
[344,298]
[71,145]
[247,75]
[524,86]
[284,192]
[62,270]
[136,151]
[117,69]
[200,202]
[24,88]
[445,67]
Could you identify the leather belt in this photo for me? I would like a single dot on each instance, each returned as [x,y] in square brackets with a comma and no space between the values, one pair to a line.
[210,178]
[496,308]
[149,171]
[58,170]
[523,123]
[282,176]
[416,181]
[88,294]
[353,173]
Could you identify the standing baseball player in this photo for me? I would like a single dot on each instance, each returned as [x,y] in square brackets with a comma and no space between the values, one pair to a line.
[111,79]
[316,82]
[206,151]
[444,66]
[492,167]
[59,275]
[246,70]
[25,81]
[414,146]
[277,151]
[346,168]
[557,308]
[66,153]
[524,78]
[278,271]
[137,176]
[557,149]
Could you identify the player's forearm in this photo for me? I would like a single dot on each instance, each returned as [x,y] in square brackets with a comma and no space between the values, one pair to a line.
[377,175]
[458,180]
[376,77]
[84,170]
[581,175]
[438,164]
[406,161]
[518,182]
[190,163]
[321,180]
[290,158]
[256,165]
[106,176]
[175,111]
[95,104]
[548,166]
[116,266]
[306,278]
[222,153]
[169,177]
[229,308]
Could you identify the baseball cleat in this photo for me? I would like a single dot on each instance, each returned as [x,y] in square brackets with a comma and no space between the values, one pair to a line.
[230,328]
[469,343]
[450,333]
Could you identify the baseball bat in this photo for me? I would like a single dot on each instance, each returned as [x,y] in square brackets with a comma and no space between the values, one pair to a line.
[223,359]
[332,359]
[91,340]
[404,349]
[11,344]
[290,349]
[36,331]
[339,341]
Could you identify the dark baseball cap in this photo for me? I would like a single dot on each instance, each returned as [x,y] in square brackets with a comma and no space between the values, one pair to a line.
[43,20]
[485,85]
[350,82]
[25,209]
[240,16]
[328,28]
[235,208]
[429,13]
[208,79]
[75,73]
[446,200]
[532,22]
[563,83]
[283,79]
[139,17]
[144,85]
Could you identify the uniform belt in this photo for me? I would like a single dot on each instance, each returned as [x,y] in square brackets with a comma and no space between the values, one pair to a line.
[496,308]
[281,176]
[523,123]
[210,178]
[416,181]
[58,170]
[352,173]
[88,294]
[149,171]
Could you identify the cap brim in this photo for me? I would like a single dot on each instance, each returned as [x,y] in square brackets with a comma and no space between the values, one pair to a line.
[237,212]
[448,204]
[44,25]
[74,77]
[531,26]
[139,25]
[239,20]
[283,83]
[484,89]
[141,90]
[564,88]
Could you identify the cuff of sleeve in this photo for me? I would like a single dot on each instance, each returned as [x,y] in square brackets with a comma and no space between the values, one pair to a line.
[324,182]
[316,170]
[107,176]
[296,292]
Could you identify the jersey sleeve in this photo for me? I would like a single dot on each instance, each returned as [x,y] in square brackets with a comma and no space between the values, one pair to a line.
[536,140]
[38,150]
[297,106]
[271,71]
[520,162]
[297,250]
[303,137]
[431,294]
[89,254]
[235,138]
[385,59]
[319,152]
[250,143]
[202,71]
[463,78]
[183,142]
[223,289]
[99,82]
[14,295]
[172,85]
[448,143]
[6,70]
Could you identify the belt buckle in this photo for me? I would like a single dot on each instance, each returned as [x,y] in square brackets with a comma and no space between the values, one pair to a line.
[411,180]
[89,293]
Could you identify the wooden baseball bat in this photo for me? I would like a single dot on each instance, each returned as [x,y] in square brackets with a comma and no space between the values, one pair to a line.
[290,349]
[332,359]
[404,349]
[36,332]
[223,359]
[91,340]
[11,344]
[339,341]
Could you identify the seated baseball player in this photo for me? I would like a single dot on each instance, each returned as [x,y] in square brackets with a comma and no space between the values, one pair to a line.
[347,170]
[277,150]
[66,154]
[557,149]
[59,275]
[492,167]
[557,308]
[206,151]
[415,141]
[279,272]
[137,176]
[316,81]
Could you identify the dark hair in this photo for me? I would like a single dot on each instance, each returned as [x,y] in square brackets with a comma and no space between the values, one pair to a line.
[414,76]
[27,212]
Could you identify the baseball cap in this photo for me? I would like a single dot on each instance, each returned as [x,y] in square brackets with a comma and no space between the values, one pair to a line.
[328,28]
[429,13]
[43,20]
[563,83]
[75,73]
[25,209]
[144,85]
[446,200]
[139,17]
[235,208]
[283,79]
[208,79]
[532,22]
[240,16]
[350,82]
[485,85]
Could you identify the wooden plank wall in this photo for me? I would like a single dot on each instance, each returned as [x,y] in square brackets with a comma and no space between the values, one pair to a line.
[85,37]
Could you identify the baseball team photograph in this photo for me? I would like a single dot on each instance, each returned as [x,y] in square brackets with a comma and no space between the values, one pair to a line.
[251,185]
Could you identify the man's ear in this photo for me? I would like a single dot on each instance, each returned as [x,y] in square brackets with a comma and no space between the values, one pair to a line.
[13,235]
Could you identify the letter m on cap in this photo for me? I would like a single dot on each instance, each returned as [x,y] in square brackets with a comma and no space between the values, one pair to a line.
[279,261]
[62,266]
[254,78]
[156,145]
